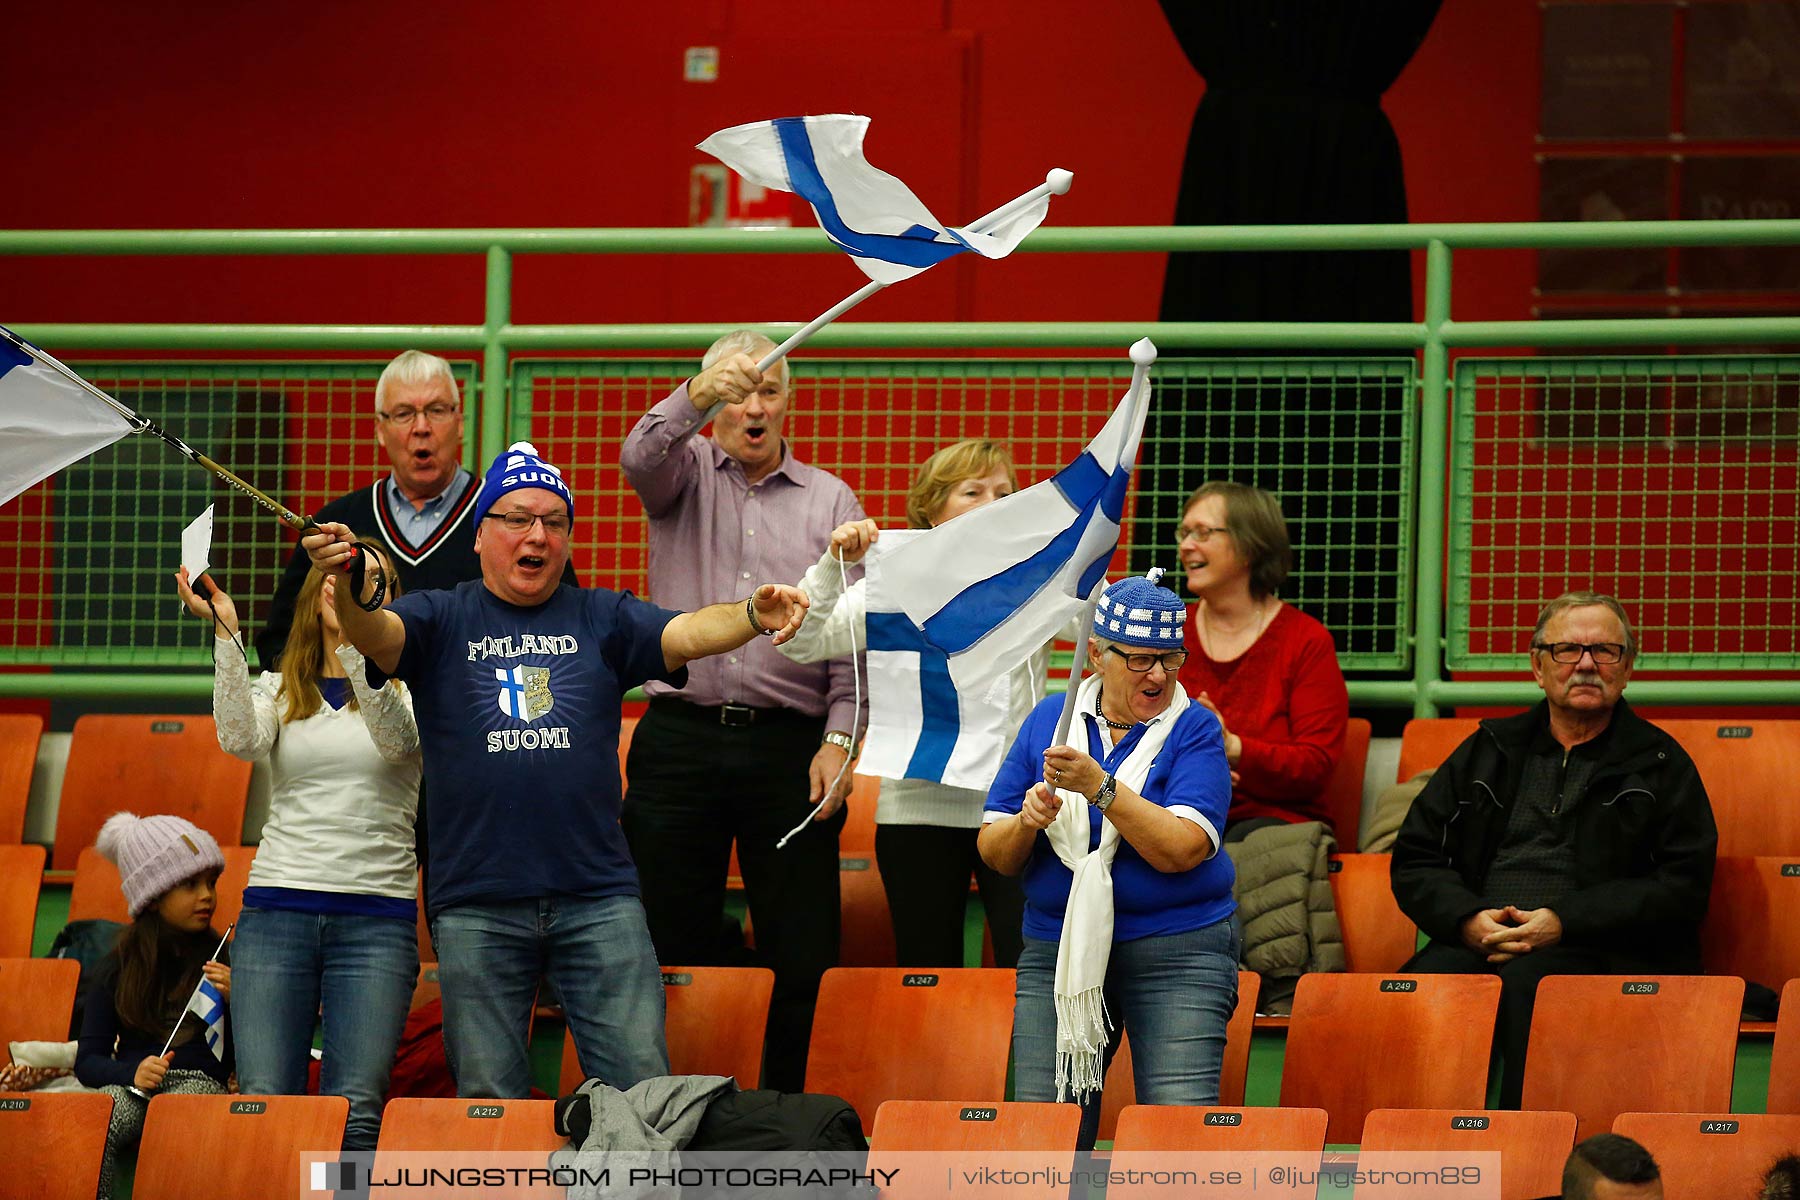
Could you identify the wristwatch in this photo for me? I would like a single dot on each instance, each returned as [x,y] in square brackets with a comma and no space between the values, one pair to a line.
[842,741]
[1109,788]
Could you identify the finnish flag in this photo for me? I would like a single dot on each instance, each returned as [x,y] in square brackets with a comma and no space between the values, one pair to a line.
[209,1006]
[47,421]
[951,610]
[873,216]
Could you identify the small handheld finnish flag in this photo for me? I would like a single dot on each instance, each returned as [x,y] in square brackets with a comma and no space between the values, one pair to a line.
[871,215]
[209,1006]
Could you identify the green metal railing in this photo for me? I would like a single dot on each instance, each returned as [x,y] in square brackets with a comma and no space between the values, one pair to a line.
[1411,555]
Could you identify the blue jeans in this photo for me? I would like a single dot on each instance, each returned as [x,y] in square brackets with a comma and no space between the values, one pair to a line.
[354,974]
[596,952]
[1173,994]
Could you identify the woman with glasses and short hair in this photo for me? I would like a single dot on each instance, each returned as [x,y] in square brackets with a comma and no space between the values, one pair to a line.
[1268,671]
[1129,914]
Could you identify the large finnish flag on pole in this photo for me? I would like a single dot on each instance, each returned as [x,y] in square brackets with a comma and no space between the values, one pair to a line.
[209,1006]
[872,215]
[952,610]
[47,421]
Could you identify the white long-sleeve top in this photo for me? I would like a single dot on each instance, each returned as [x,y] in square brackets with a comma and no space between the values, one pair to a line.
[345,782]
[835,624]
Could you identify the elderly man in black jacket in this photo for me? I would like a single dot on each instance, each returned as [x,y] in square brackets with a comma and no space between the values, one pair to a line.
[1573,839]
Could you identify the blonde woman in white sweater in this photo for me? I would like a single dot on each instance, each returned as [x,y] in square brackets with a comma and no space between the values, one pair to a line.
[329,921]
[925,832]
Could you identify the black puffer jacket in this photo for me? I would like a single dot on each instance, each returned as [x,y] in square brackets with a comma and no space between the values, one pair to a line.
[1644,843]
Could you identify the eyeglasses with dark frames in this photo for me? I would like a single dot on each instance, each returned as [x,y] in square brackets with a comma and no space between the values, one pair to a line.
[1605,653]
[437,414]
[1171,660]
[518,521]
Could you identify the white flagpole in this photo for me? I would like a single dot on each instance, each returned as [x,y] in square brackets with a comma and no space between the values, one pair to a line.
[187,1007]
[1056,183]
[1077,668]
[1143,353]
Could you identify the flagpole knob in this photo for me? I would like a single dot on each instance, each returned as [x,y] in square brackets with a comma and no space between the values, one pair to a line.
[1143,352]
[1059,181]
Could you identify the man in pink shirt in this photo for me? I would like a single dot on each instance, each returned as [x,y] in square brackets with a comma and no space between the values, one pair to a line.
[754,740]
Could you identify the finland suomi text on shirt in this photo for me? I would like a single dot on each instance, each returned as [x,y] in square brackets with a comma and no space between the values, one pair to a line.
[526,643]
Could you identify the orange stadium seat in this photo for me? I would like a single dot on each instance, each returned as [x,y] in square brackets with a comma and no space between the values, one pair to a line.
[147,764]
[1159,1138]
[1018,1136]
[883,1033]
[1362,1042]
[412,1123]
[1377,935]
[1749,768]
[245,1147]
[866,936]
[1427,741]
[55,1140]
[1752,925]
[714,1023]
[1605,1044]
[21,874]
[1531,1145]
[37,998]
[1720,1153]
[1343,795]
[19,736]
[858,835]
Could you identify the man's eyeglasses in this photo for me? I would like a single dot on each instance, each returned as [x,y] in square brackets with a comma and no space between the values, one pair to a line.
[1171,660]
[437,414]
[517,521]
[1605,653]
[1200,533]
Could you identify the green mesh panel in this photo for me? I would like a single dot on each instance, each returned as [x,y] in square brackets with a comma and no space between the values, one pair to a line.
[1670,483]
[1334,437]
[88,556]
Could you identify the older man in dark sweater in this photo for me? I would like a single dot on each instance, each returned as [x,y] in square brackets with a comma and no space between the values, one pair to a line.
[1575,838]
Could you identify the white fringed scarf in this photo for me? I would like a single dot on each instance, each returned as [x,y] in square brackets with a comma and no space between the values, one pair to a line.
[1087,928]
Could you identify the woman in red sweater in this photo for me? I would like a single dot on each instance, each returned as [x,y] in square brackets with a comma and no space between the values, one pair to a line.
[1269,671]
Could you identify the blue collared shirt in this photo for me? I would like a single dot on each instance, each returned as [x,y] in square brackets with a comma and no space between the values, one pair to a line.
[418,524]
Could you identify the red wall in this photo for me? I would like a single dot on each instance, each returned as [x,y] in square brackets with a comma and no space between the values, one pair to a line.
[562,113]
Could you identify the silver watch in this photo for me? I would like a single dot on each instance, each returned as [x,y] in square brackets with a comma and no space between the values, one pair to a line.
[842,741]
[1109,788]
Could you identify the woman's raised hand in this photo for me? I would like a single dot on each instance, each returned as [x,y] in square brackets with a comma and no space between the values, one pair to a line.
[197,604]
[851,540]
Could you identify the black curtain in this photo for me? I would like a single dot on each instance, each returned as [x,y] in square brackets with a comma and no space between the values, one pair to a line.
[1291,131]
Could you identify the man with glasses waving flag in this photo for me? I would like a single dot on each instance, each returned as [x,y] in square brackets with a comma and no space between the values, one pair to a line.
[516,683]
[952,609]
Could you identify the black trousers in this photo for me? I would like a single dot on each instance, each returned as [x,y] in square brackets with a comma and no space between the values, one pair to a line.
[925,873]
[694,786]
[1518,994]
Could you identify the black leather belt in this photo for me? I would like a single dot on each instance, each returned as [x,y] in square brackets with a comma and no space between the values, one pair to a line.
[737,715]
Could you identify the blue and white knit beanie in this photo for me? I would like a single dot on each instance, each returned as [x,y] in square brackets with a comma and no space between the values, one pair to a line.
[516,468]
[1141,612]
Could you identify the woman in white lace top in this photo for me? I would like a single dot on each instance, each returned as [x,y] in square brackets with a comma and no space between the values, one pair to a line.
[924,831]
[329,923]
